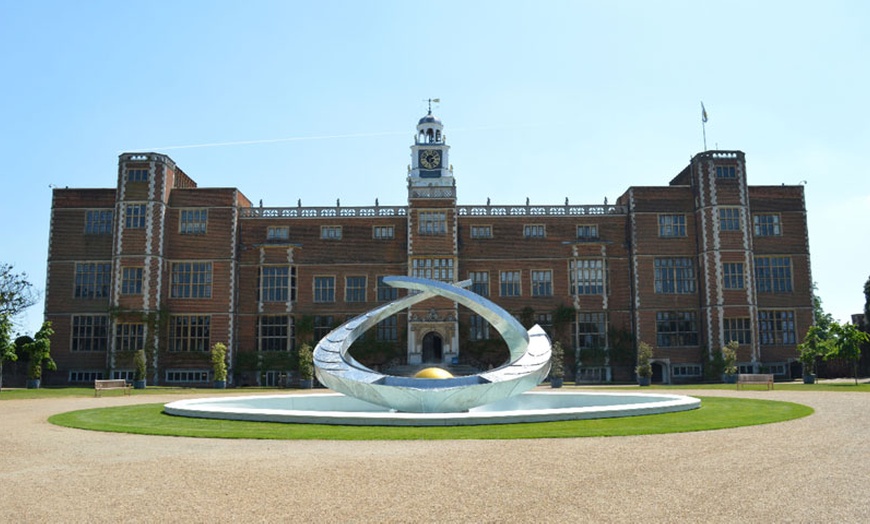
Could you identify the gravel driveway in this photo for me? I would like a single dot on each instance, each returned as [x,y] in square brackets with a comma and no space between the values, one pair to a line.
[816,469]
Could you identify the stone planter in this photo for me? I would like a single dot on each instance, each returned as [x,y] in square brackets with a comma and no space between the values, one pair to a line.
[729,378]
[139,384]
[220,384]
[556,382]
[643,381]
[33,383]
[809,378]
[306,383]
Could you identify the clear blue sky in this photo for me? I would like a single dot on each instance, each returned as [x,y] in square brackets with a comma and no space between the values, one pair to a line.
[544,100]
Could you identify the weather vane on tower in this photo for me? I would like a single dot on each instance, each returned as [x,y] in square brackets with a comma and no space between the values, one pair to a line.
[430,100]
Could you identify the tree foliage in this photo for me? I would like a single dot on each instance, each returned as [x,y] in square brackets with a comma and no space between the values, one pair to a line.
[306,362]
[644,356]
[7,346]
[16,292]
[557,361]
[219,361]
[847,340]
[729,357]
[817,345]
[867,303]
[39,351]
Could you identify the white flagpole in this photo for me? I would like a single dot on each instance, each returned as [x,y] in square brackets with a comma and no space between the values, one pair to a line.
[704,124]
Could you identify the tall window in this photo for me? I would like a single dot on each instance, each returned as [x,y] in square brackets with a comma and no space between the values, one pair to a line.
[191,280]
[129,337]
[509,283]
[776,327]
[732,275]
[587,231]
[277,284]
[432,223]
[134,216]
[542,283]
[729,218]
[591,329]
[137,175]
[98,222]
[355,289]
[330,232]
[90,333]
[773,274]
[479,282]
[433,268]
[277,233]
[131,280]
[726,172]
[738,329]
[676,328]
[545,320]
[387,330]
[674,275]
[92,280]
[275,333]
[481,231]
[189,333]
[534,231]
[193,221]
[766,225]
[478,328]
[324,289]
[386,293]
[587,276]
[322,326]
[672,225]
[383,232]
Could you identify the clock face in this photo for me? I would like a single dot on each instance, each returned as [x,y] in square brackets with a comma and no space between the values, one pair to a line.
[430,158]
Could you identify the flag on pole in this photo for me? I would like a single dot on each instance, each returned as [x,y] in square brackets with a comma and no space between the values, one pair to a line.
[703,113]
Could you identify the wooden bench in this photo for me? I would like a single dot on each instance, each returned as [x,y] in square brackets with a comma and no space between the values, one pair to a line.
[102,385]
[755,378]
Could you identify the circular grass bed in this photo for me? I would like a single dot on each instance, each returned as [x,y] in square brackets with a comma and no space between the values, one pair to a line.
[714,413]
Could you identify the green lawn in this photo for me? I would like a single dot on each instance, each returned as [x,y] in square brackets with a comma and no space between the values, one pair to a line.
[715,413]
[51,392]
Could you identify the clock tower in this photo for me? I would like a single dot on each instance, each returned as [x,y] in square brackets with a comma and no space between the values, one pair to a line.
[430,169]
[433,334]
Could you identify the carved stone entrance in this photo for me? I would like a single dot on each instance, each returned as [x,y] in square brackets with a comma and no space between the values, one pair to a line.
[432,348]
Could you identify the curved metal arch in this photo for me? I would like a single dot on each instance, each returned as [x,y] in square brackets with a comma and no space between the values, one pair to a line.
[528,365]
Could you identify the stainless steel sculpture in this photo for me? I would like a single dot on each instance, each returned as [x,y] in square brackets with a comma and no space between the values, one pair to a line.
[527,366]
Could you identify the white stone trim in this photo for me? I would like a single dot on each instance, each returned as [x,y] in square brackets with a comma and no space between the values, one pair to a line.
[702,205]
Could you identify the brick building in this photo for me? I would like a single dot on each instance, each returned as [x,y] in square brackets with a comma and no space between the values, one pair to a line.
[159,263]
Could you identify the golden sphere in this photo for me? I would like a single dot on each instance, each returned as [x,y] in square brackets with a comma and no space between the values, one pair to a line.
[433,373]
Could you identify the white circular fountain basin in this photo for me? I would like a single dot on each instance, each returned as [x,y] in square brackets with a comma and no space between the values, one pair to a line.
[338,409]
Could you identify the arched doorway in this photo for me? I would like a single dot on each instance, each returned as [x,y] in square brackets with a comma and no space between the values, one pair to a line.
[432,347]
[658,373]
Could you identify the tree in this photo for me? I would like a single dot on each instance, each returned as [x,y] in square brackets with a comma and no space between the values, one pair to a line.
[140,369]
[644,356]
[729,357]
[847,340]
[219,361]
[7,347]
[16,293]
[40,352]
[557,361]
[306,362]
[867,303]
[817,344]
